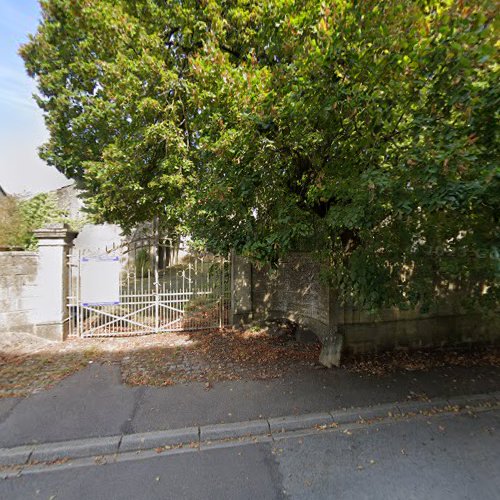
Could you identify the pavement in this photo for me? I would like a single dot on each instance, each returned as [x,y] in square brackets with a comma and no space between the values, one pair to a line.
[93,403]
[17,459]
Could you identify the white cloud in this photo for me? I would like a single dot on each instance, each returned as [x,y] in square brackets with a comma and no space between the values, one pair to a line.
[16,88]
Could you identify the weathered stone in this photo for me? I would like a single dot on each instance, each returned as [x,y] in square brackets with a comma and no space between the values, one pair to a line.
[281,328]
[33,286]
[241,291]
[77,448]
[353,415]
[233,430]
[296,291]
[299,422]
[17,292]
[331,350]
[52,281]
[15,456]
[157,439]
[305,335]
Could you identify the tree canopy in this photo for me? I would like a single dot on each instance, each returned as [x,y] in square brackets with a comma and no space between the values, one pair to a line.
[365,131]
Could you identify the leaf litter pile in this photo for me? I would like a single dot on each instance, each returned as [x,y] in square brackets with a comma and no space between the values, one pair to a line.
[214,356]
[159,360]
[23,374]
[394,361]
[206,357]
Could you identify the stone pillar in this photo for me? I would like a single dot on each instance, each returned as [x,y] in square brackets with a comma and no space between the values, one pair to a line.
[241,290]
[333,341]
[51,315]
[331,348]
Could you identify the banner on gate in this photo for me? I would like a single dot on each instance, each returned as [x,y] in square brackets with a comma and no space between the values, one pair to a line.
[100,280]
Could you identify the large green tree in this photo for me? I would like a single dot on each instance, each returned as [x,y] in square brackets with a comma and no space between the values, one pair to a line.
[366,131]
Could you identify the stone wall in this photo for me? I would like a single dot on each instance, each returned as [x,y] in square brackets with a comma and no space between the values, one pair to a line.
[293,291]
[297,292]
[18,291]
[412,330]
[33,286]
[68,199]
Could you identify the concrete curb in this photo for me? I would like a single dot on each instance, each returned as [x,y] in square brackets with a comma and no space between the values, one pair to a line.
[196,436]
[233,431]
[15,456]
[299,422]
[159,439]
[75,449]
[365,414]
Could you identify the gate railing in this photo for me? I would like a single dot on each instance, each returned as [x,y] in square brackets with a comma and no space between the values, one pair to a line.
[161,288]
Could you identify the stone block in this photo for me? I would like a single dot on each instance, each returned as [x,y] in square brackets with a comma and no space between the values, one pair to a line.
[475,399]
[10,319]
[331,350]
[233,430]
[15,456]
[18,263]
[56,331]
[157,439]
[299,422]
[354,415]
[421,406]
[75,449]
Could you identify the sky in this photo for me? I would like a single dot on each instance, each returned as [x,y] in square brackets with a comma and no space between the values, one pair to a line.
[22,129]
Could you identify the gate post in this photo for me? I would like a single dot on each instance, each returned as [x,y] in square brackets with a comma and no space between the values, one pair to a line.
[241,290]
[54,242]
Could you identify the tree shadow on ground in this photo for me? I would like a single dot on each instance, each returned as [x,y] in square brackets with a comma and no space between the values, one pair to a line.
[159,360]
[206,357]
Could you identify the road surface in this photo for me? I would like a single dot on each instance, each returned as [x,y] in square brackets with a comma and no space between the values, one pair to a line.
[448,456]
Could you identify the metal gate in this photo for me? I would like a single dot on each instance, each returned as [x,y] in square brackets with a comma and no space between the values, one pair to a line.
[162,287]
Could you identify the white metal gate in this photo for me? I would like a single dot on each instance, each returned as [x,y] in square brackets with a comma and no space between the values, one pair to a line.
[162,287]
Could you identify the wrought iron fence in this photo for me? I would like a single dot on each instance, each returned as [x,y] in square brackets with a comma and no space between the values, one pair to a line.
[162,287]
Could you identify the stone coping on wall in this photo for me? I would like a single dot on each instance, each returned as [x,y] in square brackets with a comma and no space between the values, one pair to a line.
[19,251]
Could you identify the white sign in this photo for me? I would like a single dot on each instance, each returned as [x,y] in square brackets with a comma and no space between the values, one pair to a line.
[100,280]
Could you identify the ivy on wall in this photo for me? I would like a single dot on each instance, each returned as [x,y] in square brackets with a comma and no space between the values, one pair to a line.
[20,217]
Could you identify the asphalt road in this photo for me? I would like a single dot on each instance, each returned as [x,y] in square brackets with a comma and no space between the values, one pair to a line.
[452,456]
